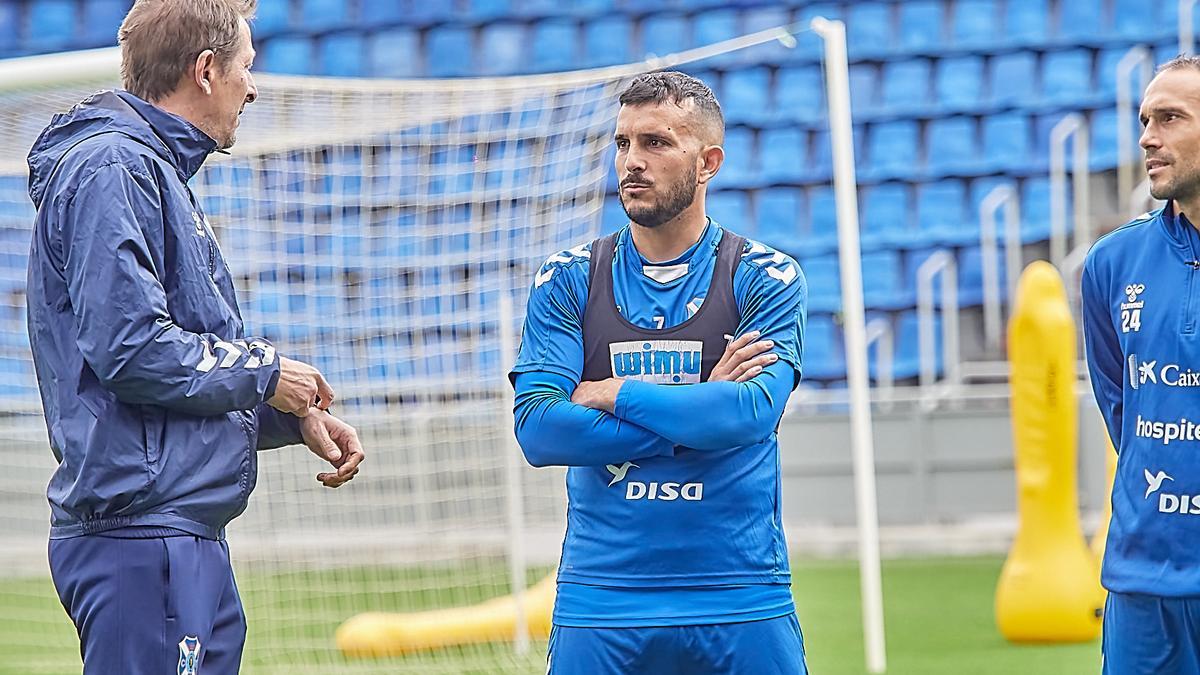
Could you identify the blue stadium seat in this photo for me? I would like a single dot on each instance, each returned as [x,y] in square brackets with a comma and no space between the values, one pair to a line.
[371,12]
[501,48]
[824,357]
[607,41]
[664,34]
[908,357]
[288,55]
[974,23]
[320,15]
[342,55]
[906,85]
[755,19]
[745,95]
[729,208]
[488,10]
[448,51]
[554,45]
[1012,78]
[1035,209]
[1026,21]
[394,53]
[883,286]
[1067,77]
[1080,21]
[420,12]
[1006,142]
[712,26]
[969,231]
[783,154]
[940,214]
[893,150]
[951,146]
[824,286]
[101,19]
[869,28]
[1103,138]
[1106,73]
[862,88]
[822,221]
[959,83]
[739,169]
[51,24]
[780,213]
[799,94]
[922,24]
[10,15]
[885,215]
[1135,19]
[970,276]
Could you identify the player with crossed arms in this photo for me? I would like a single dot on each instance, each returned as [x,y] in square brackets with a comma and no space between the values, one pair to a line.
[674,559]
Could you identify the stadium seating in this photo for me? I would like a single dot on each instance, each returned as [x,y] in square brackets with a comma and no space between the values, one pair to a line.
[950,97]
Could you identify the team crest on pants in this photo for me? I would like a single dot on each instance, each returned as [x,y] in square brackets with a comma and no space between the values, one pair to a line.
[189,656]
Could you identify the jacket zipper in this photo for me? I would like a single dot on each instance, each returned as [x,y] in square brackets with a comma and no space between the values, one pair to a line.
[1189,317]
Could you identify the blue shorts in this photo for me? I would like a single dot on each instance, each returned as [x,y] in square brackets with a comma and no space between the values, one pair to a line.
[151,606]
[1151,635]
[767,647]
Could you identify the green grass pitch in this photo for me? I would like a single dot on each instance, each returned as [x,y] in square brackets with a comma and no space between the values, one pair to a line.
[938,612]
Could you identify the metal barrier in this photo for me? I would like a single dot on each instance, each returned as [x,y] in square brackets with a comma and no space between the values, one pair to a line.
[1186,32]
[880,331]
[1006,196]
[941,262]
[1073,125]
[1136,56]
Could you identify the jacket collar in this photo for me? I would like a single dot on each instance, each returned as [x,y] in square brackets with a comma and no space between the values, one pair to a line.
[185,145]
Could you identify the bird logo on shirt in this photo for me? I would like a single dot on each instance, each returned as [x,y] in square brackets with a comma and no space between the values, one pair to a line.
[619,472]
[1155,481]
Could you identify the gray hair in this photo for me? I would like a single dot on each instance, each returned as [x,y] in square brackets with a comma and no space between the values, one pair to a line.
[1179,62]
[160,40]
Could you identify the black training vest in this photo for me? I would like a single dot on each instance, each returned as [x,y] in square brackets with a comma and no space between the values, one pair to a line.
[683,354]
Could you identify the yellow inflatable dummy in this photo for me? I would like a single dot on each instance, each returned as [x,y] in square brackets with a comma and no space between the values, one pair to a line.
[1049,589]
[1101,537]
[379,634]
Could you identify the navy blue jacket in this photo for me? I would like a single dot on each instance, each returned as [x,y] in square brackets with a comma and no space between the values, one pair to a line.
[1141,311]
[153,396]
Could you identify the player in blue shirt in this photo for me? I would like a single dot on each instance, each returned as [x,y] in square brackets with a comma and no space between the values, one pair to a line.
[655,363]
[1141,302]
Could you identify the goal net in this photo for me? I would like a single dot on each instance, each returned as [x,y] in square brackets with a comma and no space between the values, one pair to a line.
[385,232]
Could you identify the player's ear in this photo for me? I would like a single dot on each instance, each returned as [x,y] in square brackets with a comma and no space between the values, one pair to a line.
[709,163]
[205,71]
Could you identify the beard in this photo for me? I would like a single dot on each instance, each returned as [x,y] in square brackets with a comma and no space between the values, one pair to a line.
[1181,188]
[680,196]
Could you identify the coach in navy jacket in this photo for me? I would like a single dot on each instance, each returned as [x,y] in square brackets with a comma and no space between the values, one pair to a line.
[155,400]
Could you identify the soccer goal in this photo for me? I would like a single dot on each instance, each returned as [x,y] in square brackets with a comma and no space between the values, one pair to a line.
[386,232]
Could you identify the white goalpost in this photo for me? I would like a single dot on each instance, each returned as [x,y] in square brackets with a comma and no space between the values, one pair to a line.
[386,232]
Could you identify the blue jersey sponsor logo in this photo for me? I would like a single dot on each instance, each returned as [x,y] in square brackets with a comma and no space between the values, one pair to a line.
[658,361]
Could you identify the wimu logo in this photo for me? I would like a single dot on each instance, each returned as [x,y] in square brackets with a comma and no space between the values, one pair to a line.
[658,361]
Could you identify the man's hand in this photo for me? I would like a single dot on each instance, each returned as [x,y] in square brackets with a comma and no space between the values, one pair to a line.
[601,395]
[743,359]
[335,442]
[300,388]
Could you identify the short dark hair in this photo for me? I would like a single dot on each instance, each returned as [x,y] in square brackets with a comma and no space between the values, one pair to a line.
[676,87]
[1179,62]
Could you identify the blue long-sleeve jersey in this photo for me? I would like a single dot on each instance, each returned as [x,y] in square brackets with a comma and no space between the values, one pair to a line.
[1141,302]
[671,550]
